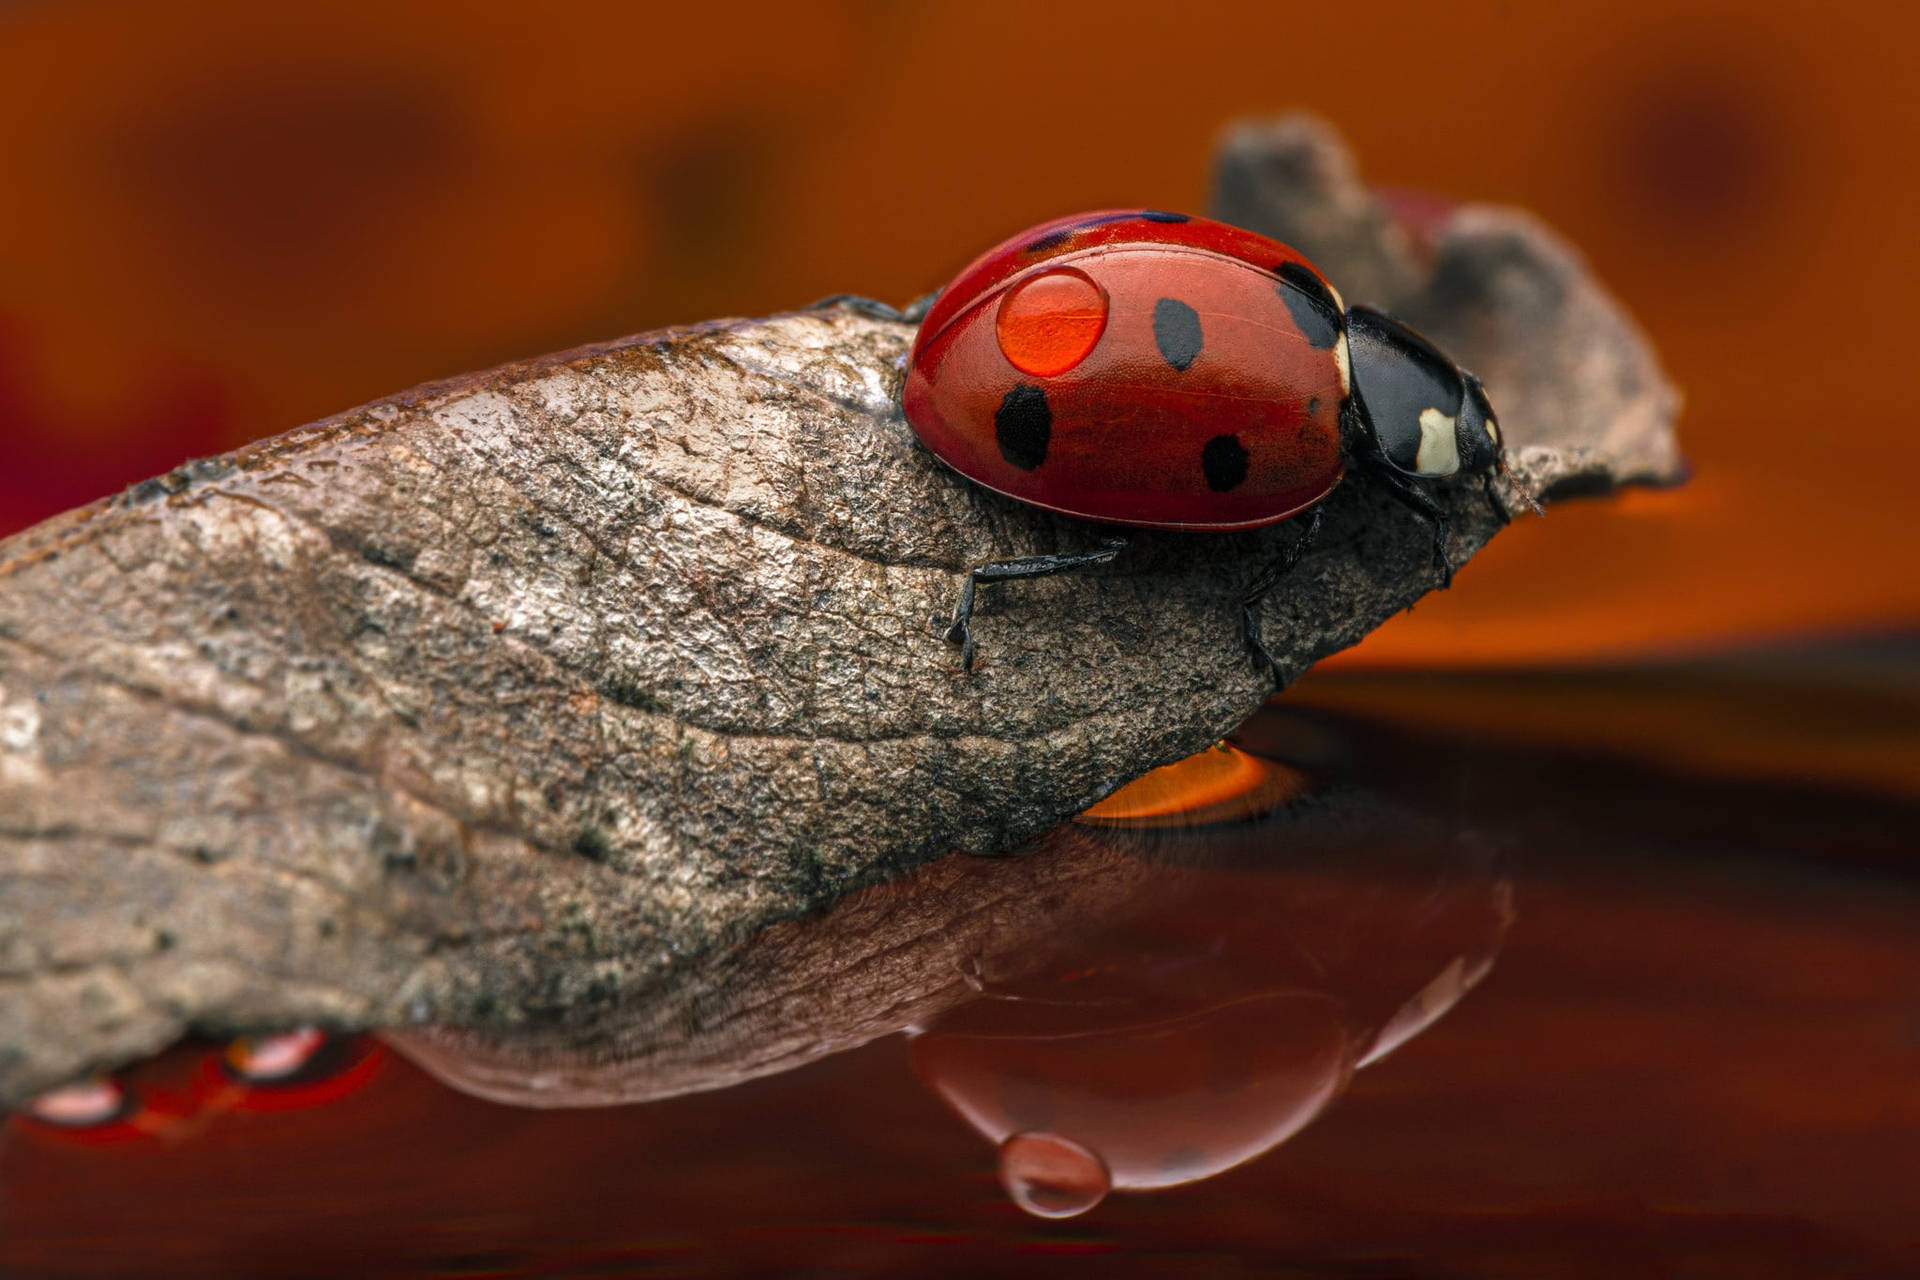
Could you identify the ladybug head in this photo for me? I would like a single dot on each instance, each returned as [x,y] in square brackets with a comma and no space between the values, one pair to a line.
[1418,412]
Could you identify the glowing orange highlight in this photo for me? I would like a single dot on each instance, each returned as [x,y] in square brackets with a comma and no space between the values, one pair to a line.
[1219,784]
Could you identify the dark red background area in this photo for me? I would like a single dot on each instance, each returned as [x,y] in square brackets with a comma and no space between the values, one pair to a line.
[217,226]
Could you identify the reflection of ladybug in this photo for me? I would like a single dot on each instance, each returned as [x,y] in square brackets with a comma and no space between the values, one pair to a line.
[1151,369]
[185,1091]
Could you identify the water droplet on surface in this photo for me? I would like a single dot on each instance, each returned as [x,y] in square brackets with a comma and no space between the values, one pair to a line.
[1222,1009]
[1052,1177]
[1164,1098]
[92,1102]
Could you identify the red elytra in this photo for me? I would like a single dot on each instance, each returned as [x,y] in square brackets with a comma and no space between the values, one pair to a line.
[1137,368]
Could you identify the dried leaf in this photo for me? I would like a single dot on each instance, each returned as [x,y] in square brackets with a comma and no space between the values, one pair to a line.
[516,697]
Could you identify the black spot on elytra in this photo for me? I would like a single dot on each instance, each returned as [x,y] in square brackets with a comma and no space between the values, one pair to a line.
[1312,310]
[1050,241]
[1319,326]
[1023,425]
[1131,215]
[1308,281]
[1176,330]
[1224,460]
[1313,405]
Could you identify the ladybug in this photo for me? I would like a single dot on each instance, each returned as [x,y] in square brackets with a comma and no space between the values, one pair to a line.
[1155,370]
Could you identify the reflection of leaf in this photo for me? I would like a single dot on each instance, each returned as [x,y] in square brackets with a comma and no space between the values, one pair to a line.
[516,695]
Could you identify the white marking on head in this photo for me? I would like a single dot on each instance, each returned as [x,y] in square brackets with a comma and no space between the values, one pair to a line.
[1439,453]
[1346,367]
[1493,432]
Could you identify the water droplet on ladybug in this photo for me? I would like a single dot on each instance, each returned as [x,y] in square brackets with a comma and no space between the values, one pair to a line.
[1049,323]
[1052,1177]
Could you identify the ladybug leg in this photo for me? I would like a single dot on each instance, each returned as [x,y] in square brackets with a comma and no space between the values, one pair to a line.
[961,632]
[913,313]
[916,311]
[856,302]
[1265,582]
[1418,500]
[1518,490]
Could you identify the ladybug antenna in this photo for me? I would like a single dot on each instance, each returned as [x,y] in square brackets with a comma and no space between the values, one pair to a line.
[1525,494]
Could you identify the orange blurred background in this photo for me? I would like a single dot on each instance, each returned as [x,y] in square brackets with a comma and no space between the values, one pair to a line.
[219,221]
